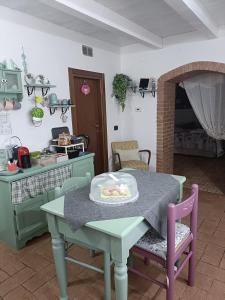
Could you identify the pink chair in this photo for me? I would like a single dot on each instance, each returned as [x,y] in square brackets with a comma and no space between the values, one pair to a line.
[180,240]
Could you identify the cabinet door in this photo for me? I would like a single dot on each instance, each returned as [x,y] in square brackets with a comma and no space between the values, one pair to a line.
[13,81]
[29,218]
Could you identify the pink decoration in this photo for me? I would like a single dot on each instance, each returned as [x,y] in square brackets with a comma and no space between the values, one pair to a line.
[85,89]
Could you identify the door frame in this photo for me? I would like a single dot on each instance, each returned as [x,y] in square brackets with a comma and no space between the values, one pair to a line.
[78,73]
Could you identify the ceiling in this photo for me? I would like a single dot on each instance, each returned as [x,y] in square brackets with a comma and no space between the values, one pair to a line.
[153,15]
[130,22]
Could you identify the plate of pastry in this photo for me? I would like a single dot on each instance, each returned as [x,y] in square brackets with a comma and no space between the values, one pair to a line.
[113,188]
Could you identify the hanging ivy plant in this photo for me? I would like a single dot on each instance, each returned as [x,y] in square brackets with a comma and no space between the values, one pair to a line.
[121,82]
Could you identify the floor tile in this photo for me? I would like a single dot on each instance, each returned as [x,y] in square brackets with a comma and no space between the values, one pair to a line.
[213,255]
[30,272]
[211,271]
[40,278]
[20,293]
[218,289]
[3,276]
[35,262]
[14,281]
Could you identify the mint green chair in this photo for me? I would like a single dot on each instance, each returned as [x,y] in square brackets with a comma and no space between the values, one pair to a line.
[72,183]
[75,183]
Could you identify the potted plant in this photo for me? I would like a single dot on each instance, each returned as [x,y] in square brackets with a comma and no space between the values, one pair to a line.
[121,82]
[37,114]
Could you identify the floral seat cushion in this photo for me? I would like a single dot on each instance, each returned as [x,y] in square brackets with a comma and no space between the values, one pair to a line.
[154,243]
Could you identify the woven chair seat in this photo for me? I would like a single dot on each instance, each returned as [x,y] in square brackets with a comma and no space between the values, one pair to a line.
[135,164]
[154,243]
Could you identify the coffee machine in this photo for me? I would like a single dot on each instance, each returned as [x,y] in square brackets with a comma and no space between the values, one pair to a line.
[23,157]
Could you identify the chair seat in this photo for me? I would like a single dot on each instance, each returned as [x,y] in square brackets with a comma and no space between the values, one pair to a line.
[135,164]
[154,243]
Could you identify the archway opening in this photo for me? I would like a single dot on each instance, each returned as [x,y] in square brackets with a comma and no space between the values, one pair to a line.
[166,108]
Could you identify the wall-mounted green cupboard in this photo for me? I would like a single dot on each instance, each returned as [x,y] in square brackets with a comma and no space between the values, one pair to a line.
[11,84]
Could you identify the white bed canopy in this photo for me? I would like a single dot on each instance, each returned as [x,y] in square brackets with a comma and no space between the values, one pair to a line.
[206,93]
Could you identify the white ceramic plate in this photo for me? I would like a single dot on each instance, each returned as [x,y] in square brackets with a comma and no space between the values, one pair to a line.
[9,173]
[114,202]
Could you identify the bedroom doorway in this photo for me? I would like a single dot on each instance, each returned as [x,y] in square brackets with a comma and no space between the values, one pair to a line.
[197,156]
[166,110]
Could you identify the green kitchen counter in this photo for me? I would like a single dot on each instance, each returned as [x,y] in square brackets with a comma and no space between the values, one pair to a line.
[38,169]
[20,222]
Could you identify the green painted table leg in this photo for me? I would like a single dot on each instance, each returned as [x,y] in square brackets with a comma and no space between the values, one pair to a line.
[121,280]
[60,264]
[107,275]
[130,260]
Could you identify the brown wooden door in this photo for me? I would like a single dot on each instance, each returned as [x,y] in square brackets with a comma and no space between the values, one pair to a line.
[88,117]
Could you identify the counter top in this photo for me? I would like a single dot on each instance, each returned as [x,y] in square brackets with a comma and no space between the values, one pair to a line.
[39,169]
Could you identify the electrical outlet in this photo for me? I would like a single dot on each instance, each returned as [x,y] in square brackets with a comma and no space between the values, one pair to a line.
[138,109]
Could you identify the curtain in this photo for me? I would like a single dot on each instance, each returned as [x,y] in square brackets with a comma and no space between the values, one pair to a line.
[206,93]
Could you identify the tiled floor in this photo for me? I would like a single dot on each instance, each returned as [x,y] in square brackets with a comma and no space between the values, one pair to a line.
[207,172]
[29,273]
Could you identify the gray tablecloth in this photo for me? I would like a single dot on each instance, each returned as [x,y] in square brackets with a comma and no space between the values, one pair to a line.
[156,190]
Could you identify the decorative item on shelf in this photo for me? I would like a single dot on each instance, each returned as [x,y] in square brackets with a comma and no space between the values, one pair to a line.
[44,88]
[132,86]
[39,99]
[29,79]
[85,88]
[54,103]
[7,104]
[35,82]
[121,83]
[153,86]
[64,139]
[37,114]
[147,85]
[24,63]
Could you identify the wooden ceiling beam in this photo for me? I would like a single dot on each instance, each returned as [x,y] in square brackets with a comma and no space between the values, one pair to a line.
[196,15]
[97,14]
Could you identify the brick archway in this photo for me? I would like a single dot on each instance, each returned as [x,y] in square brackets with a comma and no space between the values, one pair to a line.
[166,108]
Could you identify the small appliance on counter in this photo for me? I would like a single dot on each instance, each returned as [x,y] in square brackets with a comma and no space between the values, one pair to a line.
[23,158]
[16,152]
[63,142]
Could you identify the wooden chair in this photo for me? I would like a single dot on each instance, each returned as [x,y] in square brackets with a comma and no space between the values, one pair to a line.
[126,154]
[74,183]
[180,240]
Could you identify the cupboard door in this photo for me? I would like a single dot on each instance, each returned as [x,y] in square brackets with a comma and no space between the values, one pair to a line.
[28,216]
[13,82]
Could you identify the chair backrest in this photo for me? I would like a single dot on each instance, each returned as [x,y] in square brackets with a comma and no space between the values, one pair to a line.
[179,211]
[72,183]
[124,145]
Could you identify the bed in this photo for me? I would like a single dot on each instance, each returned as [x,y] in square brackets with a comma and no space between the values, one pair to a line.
[196,142]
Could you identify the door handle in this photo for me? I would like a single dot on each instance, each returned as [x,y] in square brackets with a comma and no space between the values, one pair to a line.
[96,125]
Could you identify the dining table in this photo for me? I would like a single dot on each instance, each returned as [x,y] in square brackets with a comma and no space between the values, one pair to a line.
[115,237]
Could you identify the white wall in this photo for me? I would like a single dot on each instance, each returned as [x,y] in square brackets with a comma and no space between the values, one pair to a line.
[154,63]
[50,50]
[51,55]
